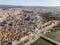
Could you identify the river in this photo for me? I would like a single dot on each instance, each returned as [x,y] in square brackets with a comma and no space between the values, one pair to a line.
[53,35]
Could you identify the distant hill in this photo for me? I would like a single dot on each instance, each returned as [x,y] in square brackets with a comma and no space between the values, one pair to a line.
[10,6]
[38,8]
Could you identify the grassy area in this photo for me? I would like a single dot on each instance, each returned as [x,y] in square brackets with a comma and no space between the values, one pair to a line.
[50,16]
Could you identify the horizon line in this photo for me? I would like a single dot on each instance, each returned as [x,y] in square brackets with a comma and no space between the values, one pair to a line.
[30,6]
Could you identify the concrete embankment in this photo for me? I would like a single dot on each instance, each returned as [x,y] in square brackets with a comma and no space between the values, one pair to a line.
[50,40]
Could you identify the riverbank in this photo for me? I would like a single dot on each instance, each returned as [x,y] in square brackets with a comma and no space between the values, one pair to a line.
[49,27]
[53,35]
[55,28]
[45,29]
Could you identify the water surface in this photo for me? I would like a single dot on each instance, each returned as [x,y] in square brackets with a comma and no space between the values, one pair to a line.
[53,35]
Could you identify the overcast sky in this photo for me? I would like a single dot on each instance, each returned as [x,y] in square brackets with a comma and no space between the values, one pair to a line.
[31,2]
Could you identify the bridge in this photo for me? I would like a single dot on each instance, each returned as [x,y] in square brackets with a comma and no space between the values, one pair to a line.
[50,40]
[48,26]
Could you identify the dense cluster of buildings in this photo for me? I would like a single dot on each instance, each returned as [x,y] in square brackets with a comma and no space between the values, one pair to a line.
[18,26]
[15,24]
